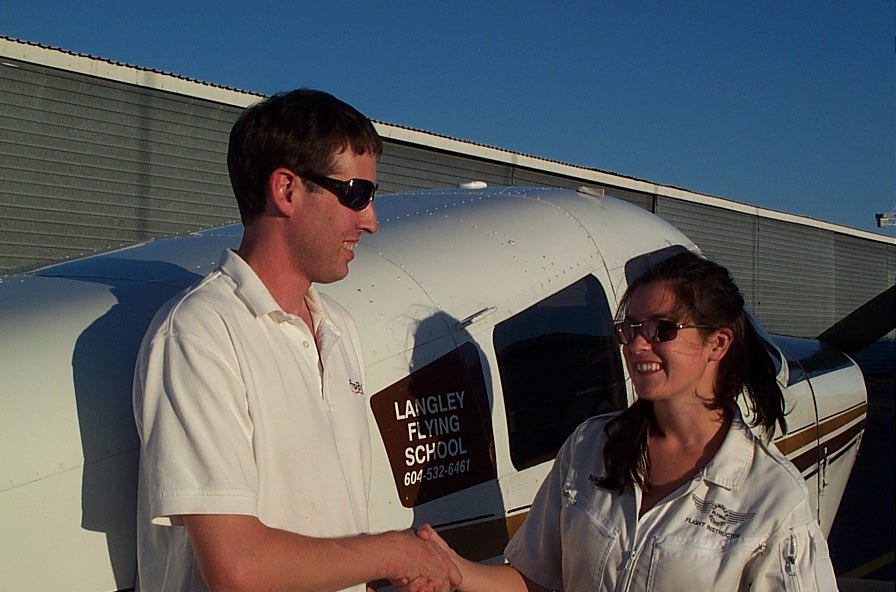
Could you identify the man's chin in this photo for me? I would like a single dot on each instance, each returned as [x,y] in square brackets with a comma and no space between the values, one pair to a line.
[334,277]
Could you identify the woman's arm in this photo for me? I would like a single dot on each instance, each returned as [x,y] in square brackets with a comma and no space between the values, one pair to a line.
[482,577]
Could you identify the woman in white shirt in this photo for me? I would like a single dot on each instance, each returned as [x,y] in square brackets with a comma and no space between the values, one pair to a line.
[676,492]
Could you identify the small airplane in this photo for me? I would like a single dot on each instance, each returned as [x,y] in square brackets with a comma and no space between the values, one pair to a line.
[486,320]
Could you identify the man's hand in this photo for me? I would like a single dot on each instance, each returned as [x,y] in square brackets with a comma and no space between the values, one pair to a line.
[423,584]
[432,568]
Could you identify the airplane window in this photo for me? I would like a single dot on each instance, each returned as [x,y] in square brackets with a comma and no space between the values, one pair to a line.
[559,365]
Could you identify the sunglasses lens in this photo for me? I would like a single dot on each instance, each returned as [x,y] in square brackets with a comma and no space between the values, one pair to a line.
[359,193]
[653,331]
[664,331]
[354,193]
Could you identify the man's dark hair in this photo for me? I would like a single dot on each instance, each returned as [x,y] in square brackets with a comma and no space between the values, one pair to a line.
[301,130]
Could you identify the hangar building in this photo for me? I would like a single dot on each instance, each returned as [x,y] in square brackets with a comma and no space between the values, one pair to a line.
[96,154]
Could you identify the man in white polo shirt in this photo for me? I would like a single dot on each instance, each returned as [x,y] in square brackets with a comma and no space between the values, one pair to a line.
[249,388]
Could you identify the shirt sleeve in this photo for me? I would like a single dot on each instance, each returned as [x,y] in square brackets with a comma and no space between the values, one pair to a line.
[796,558]
[196,432]
[536,550]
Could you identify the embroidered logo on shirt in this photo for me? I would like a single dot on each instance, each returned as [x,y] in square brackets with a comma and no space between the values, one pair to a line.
[719,514]
[357,387]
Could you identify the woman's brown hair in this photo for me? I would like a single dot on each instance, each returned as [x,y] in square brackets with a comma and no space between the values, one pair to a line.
[706,295]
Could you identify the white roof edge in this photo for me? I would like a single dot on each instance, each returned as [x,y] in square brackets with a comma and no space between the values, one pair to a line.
[102,68]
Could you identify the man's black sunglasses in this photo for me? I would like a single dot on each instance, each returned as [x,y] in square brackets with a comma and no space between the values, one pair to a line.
[653,330]
[354,193]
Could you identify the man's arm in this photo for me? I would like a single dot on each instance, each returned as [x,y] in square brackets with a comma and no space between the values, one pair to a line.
[237,553]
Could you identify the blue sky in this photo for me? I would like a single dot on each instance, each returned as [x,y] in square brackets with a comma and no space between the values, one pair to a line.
[784,105]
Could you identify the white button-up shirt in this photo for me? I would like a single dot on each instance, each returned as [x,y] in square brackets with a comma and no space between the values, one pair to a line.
[743,523]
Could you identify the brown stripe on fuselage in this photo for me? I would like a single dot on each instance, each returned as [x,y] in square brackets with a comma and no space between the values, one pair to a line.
[795,441]
[799,439]
[836,421]
[807,462]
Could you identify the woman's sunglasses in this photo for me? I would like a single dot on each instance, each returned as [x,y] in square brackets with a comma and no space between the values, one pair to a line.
[653,330]
[354,193]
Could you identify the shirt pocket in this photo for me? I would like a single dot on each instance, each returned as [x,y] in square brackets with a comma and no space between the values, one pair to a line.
[588,537]
[680,563]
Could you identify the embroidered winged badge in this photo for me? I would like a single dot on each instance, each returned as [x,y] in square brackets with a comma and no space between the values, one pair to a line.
[719,514]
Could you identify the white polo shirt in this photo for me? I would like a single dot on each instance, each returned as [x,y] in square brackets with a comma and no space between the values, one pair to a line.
[743,523]
[238,412]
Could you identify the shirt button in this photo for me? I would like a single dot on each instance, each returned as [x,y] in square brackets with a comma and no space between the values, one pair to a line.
[306,344]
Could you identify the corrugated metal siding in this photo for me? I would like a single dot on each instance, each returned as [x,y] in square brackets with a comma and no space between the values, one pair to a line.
[863,270]
[860,268]
[796,278]
[530,178]
[88,163]
[403,168]
[642,200]
[727,237]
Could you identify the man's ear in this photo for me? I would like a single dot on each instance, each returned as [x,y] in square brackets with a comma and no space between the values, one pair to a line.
[720,343]
[282,189]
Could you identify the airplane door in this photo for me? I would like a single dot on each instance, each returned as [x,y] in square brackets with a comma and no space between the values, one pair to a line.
[801,443]
[827,402]
[554,365]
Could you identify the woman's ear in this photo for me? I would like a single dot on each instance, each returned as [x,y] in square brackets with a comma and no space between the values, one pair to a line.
[281,190]
[720,342]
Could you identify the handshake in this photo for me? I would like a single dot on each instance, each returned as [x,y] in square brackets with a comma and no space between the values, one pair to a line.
[434,566]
